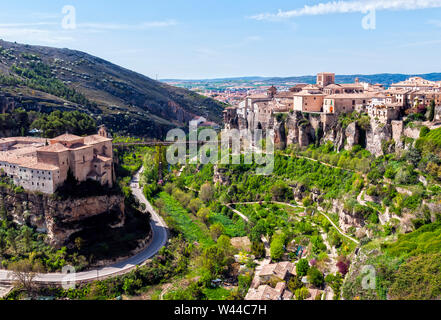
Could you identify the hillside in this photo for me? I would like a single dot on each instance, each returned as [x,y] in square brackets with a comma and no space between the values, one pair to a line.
[46,79]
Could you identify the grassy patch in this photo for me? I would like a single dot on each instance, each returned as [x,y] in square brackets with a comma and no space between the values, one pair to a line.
[192,230]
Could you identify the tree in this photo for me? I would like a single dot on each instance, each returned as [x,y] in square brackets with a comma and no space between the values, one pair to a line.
[431,115]
[203,214]
[2,243]
[258,249]
[315,277]
[302,267]
[206,193]
[194,205]
[11,238]
[24,272]
[302,293]
[281,192]
[26,233]
[216,230]
[343,265]
[335,282]
[79,243]
[413,156]
[278,247]
[294,283]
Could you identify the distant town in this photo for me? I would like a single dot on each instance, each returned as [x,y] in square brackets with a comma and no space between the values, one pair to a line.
[327,97]
[233,91]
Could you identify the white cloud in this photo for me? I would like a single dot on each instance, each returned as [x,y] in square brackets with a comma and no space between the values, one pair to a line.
[52,33]
[126,27]
[350,7]
[33,35]
[24,25]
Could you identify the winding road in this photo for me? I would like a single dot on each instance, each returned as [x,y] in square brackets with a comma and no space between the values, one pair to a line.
[159,235]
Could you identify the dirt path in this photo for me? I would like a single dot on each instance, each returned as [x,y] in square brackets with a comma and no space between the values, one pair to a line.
[293,206]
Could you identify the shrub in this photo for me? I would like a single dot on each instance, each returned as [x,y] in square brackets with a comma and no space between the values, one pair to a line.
[315,277]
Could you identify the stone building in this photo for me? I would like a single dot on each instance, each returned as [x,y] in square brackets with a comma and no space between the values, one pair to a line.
[346,103]
[37,164]
[383,113]
[310,99]
[325,78]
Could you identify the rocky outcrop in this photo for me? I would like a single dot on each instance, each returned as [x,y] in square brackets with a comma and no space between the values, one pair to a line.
[60,218]
[220,177]
[279,135]
[347,219]
[352,134]
[376,136]
[304,129]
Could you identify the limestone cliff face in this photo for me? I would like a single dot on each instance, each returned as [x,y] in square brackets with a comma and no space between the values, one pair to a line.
[352,135]
[60,218]
[347,219]
[376,135]
[279,135]
[303,129]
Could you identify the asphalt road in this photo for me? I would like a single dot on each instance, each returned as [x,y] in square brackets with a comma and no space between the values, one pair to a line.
[160,238]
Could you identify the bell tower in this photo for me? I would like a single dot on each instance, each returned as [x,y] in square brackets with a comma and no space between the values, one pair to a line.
[102,131]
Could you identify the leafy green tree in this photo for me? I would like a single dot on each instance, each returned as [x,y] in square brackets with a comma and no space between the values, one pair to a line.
[431,115]
[194,205]
[302,267]
[335,282]
[294,283]
[413,156]
[12,239]
[302,293]
[216,230]
[206,193]
[278,247]
[258,249]
[203,214]
[315,277]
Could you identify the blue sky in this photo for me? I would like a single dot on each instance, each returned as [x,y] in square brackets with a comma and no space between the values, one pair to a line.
[195,39]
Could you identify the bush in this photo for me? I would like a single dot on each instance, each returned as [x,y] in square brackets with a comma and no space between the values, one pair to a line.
[424,131]
[207,193]
[315,277]
[302,293]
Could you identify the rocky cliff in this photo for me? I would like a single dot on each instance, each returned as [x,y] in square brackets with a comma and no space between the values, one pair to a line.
[61,218]
[303,129]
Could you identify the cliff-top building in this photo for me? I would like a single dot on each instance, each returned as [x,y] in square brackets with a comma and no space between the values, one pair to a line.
[38,164]
[328,98]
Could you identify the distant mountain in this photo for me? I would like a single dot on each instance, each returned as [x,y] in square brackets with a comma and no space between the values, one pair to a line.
[384,78]
[46,79]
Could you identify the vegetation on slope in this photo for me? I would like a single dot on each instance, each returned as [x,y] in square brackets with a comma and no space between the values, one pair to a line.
[43,78]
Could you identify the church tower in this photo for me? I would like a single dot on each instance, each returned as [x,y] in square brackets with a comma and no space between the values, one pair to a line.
[102,131]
